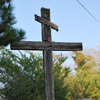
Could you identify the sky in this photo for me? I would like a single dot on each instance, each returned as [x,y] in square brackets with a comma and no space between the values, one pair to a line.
[75,24]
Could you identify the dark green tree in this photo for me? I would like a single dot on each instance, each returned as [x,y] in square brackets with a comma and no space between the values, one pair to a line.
[23,76]
[8,33]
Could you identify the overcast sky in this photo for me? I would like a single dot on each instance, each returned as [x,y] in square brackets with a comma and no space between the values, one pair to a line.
[75,24]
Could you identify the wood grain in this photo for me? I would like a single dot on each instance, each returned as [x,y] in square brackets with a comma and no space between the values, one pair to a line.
[44,21]
[47,57]
[47,48]
[55,46]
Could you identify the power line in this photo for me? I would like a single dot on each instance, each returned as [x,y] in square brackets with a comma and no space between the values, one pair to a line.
[88,11]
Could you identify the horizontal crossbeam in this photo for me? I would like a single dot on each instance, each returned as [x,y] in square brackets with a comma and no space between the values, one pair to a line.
[44,21]
[55,46]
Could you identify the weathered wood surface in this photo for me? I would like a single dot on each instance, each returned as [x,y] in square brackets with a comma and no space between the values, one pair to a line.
[45,13]
[55,46]
[44,21]
[47,48]
[47,55]
[48,70]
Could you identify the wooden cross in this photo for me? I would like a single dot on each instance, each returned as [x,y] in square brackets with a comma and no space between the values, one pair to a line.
[47,46]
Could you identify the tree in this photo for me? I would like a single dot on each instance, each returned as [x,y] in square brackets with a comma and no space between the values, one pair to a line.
[60,73]
[85,83]
[94,52]
[23,76]
[8,33]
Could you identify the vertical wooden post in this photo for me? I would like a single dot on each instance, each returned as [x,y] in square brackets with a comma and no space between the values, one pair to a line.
[47,57]
[47,53]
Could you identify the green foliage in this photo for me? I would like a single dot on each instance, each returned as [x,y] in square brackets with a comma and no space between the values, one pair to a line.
[86,82]
[60,73]
[23,76]
[8,33]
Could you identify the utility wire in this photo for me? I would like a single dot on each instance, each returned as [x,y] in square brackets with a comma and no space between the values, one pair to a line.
[88,11]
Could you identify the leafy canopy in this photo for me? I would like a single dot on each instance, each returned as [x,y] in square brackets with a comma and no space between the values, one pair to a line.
[23,76]
[86,82]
